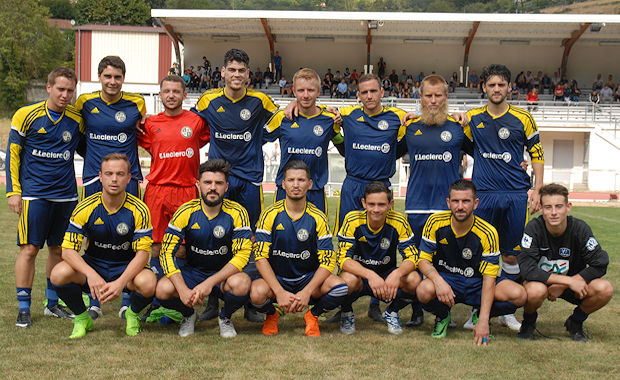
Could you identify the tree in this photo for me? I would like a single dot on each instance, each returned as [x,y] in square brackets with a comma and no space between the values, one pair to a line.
[29,49]
[62,9]
[441,6]
[114,12]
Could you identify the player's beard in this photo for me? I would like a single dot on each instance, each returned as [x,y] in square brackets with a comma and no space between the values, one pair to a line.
[434,117]
[214,203]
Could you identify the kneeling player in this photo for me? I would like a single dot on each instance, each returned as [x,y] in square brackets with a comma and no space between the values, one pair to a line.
[459,256]
[217,239]
[295,256]
[368,241]
[118,227]
[560,258]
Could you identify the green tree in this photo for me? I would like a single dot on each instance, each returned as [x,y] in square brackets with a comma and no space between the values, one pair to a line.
[29,49]
[60,8]
[441,6]
[114,12]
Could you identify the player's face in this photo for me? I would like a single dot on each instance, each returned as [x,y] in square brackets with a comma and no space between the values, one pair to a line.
[462,204]
[235,75]
[377,206]
[213,187]
[60,93]
[370,94]
[306,91]
[296,184]
[114,176]
[172,95]
[434,104]
[555,210]
[496,88]
[111,79]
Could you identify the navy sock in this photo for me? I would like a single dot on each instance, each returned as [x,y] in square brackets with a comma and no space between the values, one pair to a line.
[331,299]
[126,299]
[233,303]
[402,299]
[437,308]
[24,298]
[373,301]
[71,293]
[579,315]
[530,318]
[94,302]
[138,301]
[416,307]
[347,304]
[50,294]
[176,304]
[266,307]
[502,308]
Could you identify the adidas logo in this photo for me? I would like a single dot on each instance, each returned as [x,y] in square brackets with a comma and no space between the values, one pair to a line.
[95,110]
[98,222]
[480,126]
[195,226]
[443,241]
[22,293]
[418,132]
[294,125]
[363,239]
[221,109]
[42,130]
[361,118]
[280,227]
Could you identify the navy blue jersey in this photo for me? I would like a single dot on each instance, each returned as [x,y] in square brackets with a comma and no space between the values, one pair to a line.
[210,243]
[306,139]
[113,237]
[237,129]
[40,153]
[110,128]
[294,247]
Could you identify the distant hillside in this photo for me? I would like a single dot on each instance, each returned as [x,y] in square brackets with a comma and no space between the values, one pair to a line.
[587,7]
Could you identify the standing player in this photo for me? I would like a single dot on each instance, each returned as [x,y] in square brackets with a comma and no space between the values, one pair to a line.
[40,184]
[118,226]
[295,256]
[217,236]
[560,258]
[306,137]
[459,258]
[500,132]
[368,241]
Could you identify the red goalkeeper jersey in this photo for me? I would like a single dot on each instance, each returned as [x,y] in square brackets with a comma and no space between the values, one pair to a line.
[174,143]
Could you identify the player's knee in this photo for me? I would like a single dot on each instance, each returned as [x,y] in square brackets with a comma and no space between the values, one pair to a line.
[239,283]
[425,291]
[602,289]
[518,295]
[353,282]
[61,273]
[55,252]
[258,291]
[509,259]
[145,283]
[165,289]
[536,292]
[28,251]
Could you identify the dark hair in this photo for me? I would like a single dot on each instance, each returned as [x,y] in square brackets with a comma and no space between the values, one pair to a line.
[215,165]
[369,76]
[462,185]
[114,157]
[237,55]
[495,70]
[111,60]
[554,189]
[296,165]
[173,78]
[61,72]
[378,187]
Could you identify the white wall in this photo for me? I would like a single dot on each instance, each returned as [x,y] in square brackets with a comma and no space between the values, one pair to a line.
[604,158]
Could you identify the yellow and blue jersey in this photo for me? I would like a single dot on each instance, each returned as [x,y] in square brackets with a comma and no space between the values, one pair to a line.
[39,157]
[498,148]
[112,236]
[294,247]
[306,139]
[210,243]
[375,250]
[237,129]
[471,255]
[434,164]
[370,141]
[110,128]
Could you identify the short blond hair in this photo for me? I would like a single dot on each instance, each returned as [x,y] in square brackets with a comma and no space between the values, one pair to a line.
[307,74]
[432,80]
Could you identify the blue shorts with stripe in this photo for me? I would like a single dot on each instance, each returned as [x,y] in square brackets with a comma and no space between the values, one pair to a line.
[248,195]
[366,289]
[507,212]
[43,221]
[351,195]
[467,290]
[316,197]
[295,285]
[194,276]
[94,186]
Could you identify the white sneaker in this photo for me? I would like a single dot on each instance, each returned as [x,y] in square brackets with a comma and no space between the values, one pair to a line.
[187,325]
[121,311]
[94,312]
[227,329]
[393,322]
[469,325]
[347,323]
[509,321]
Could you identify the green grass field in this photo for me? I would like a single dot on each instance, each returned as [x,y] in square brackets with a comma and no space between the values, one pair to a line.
[44,351]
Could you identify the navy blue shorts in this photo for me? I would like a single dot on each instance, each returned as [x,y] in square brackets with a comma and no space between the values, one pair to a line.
[295,285]
[366,289]
[507,212]
[351,195]
[194,276]
[316,197]
[108,270]
[417,222]
[43,221]
[133,188]
[466,290]
[248,195]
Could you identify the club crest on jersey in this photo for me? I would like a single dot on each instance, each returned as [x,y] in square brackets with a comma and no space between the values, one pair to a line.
[66,136]
[383,125]
[186,132]
[466,253]
[247,136]
[564,252]
[122,229]
[120,116]
[245,114]
[318,151]
[318,130]
[591,244]
[385,148]
[305,254]
[218,231]
[526,241]
[385,243]
[446,136]
[302,235]
[468,272]
[503,133]
[447,156]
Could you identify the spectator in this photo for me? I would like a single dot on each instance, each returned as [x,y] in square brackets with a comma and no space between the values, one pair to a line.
[546,84]
[267,77]
[277,64]
[606,94]
[216,76]
[415,91]
[327,85]
[174,70]
[555,80]
[575,92]
[284,88]
[420,77]
[353,88]
[594,98]
[410,80]
[187,77]
[342,90]
[610,82]
[537,81]
[403,77]
[522,82]
[532,99]
[204,81]
[395,90]
[387,85]
[598,82]
[258,78]
[355,75]
[558,92]
[338,76]
[566,92]
[406,91]
[528,81]
[347,74]
[474,81]
[617,94]
[454,81]
[514,91]
[394,77]
[206,64]
[331,76]
[381,67]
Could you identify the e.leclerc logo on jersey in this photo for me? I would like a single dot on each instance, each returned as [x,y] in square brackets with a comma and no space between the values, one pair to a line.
[121,137]
[189,153]
[383,148]
[445,157]
[247,136]
[66,155]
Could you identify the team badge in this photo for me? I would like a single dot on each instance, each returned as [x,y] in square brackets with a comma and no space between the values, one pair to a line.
[385,260]
[245,114]
[223,250]
[305,254]
[66,136]
[564,252]
[247,136]
[591,244]
[383,125]
[120,116]
[218,231]
[466,253]
[447,156]
[318,151]
[302,234]
[318,130]
[503,133]
[468,272]
[122,229]
[189,152]
[126,245]
[506,157]
[186,132]
[385,148]
[446,136]
[385,243]
[526,241]
[122,137]
[66,155]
